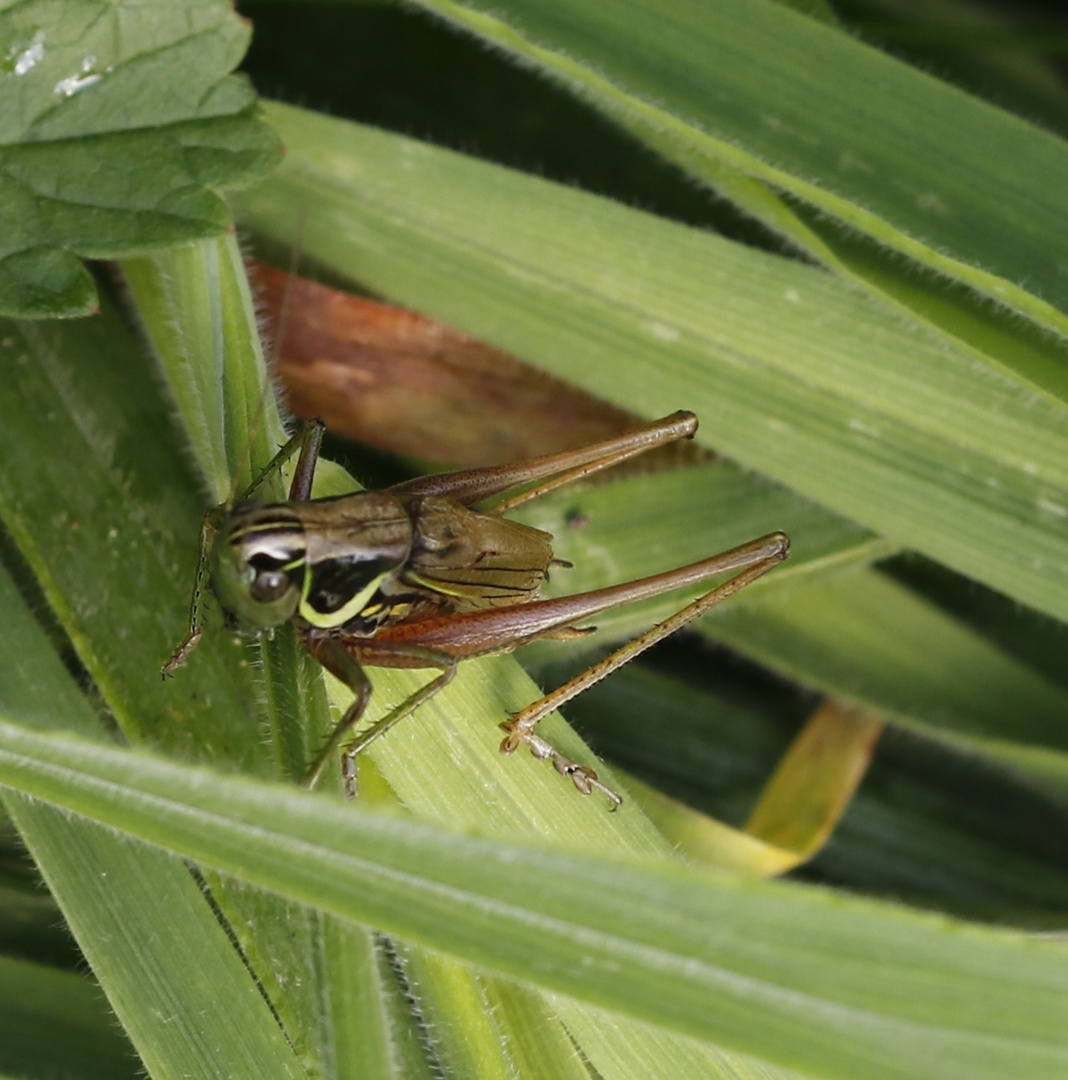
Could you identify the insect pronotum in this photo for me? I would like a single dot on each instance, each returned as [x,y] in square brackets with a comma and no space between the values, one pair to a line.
[413,577]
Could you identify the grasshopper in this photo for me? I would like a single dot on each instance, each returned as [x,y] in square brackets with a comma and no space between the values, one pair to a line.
[414,577]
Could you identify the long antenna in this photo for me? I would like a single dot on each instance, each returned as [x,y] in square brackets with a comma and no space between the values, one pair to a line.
[212,517]
[270,367]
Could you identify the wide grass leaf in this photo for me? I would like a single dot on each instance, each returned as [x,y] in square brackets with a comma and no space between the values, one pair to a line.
[751,87]
[112,890]
[63,1013]
[792,372]
[780,971]
[98,421]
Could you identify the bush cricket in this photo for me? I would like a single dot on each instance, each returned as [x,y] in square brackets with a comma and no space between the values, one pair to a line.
[414,577]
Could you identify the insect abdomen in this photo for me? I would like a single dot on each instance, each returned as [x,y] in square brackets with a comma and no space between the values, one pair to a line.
[476,559]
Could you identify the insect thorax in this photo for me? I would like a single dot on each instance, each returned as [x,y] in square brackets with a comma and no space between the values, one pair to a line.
[354,547]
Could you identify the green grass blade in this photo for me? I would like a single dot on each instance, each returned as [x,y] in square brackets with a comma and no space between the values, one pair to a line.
[918,165]
[996,336]
[458,1023]
[195,304]
[374,1030]
[933,822]
[112,890]
[83,554]
[537,1041]
[791,372]
[128,454]
[1005,54]
[600,1032]
[775,970]
[66,1015]
[913,662]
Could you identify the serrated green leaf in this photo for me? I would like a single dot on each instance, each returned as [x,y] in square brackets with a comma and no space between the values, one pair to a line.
[120,123]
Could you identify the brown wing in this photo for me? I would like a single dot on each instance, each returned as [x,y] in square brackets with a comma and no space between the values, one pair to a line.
[476,560]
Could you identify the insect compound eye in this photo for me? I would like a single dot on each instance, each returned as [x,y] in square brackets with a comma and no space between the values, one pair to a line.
[253,565]
[268,586]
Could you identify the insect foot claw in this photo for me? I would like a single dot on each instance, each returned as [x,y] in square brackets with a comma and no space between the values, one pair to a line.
[181,654]
[348,775]
[584,779]
[515,737]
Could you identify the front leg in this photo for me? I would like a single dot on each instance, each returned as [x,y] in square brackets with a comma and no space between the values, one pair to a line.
[344,666]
